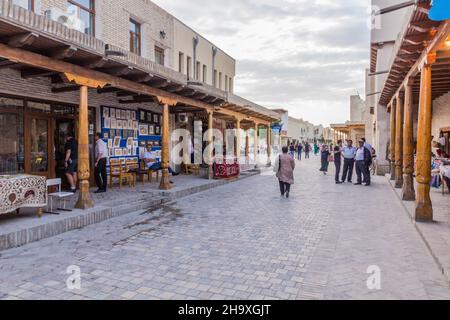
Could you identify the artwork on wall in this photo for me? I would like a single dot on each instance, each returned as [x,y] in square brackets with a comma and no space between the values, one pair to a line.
[107,123]
[156,118]
[117,142]
[110,143]
[112,113]
[151,129]
[118,152]
[143,130]
[105,112]
[157,130]
[113,123]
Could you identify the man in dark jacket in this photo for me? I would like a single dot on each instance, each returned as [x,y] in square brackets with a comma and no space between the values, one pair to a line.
[363,162]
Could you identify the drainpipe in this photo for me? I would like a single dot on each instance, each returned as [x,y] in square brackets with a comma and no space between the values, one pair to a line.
[214,52]
[195,41]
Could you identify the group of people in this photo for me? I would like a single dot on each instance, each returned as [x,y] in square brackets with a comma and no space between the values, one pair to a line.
[297,150]
[100,162]
[359,158]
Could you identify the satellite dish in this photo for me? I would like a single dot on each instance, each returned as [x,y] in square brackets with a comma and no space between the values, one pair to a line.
[440,10]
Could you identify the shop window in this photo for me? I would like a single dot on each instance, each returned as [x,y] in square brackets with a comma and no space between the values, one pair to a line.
[159,55]
[84,10]
[135,37]
[63,110]
[12,158]
[39,145]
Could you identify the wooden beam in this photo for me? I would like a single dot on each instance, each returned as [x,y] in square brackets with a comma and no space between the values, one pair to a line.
[36,73]
[107,90]
[424,25]
[63,52]
[95,63]
[66,89]
[22,39]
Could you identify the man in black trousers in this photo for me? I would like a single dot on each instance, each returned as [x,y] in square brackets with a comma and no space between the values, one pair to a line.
[363,162]
[349,153]
[101,154]
[337,154]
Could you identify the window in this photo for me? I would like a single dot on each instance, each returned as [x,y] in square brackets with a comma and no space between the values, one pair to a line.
[135,37]
[230,85]
[226,83]
[85,11]
[205,73]
[197,71]
[27,4]
[159,55]
[189,68]
[215,79]
[220,80]
[181,62]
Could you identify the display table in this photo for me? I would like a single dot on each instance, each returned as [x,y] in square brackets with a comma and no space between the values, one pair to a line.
[227,170]
[22,191]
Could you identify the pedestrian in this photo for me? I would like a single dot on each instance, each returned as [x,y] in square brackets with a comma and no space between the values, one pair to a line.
[292,150]
[363,161]
[349,153]
[307,150]
[324,159]
[337,154]
[316,149]
[299,151]
[101,155]
[284,169]
[71,161]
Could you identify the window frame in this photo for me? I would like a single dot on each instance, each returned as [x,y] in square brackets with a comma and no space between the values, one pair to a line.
[91,12]
[161,51]
[134,35]
[31,5]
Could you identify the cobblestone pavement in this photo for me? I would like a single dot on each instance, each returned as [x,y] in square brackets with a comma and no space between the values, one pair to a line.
[239,241]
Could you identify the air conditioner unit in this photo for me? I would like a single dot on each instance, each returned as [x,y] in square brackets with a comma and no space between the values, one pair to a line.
[68,18]
[183,118]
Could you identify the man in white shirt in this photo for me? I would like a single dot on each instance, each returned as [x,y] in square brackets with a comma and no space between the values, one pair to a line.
[349,153]
[363,158]
[153,162]
[101,154]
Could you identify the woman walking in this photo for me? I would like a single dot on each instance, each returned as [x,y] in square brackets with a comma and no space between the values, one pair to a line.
[325,154]
[284,168]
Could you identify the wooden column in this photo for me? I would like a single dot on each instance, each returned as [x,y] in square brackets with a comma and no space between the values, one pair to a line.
[238,139]
[424,208]
[392,140]
[408,192]
[247,148]
[84,200]
[269,145]
[255,149]
[399,142]
[165,154]
[210,140]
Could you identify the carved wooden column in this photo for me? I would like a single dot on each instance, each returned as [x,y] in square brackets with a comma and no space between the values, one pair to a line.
[210,140]
[408,192]
[269,145]
[424,208]
[399,142]
[84,200]
[392,140]
[255,149]
[238,139]
[165,154]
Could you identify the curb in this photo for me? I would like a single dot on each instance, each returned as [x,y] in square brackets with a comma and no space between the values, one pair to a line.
[81,219]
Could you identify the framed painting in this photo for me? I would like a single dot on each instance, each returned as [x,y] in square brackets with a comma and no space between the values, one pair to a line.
[151,130]
[143,129]
[117,142]
[107,123]
[105,112]
[118,152]
[158,130]
[156,119]
[112,113]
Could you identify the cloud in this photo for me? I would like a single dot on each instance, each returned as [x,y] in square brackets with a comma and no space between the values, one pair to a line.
[307,56]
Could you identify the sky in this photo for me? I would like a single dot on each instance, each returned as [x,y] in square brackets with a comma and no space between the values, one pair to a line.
[305,56]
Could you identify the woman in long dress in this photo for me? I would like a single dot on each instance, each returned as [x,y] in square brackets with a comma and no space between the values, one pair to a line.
[324,155]
[284,168]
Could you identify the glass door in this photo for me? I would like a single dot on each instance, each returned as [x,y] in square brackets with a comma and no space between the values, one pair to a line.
[39,154]
[62,128]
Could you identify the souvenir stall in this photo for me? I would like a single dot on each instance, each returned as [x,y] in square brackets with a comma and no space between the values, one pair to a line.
[225,166]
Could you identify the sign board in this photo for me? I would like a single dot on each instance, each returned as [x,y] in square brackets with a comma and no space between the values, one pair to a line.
[440,10]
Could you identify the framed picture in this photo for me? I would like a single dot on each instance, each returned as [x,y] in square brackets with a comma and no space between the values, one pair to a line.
[111,152]
[107,123]
[105,112]
[133,115]
[117,142]
[125,152]
[128,115]
[151,130]
[142,115]
[110,143]
[156,118]
[113,123]
[143,129]
[129,142]
[119,124]
[118,152]
[105,135]
[112,133]
[135,125]
[135,144]
[157,130]
[124,114]
[130,124]
[112,113]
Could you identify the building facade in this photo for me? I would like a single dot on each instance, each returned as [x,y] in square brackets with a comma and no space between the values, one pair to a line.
[111,67]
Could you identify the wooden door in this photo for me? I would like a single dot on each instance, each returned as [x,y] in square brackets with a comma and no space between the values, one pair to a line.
[39,150]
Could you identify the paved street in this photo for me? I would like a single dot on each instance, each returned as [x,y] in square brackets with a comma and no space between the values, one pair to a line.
[239,241]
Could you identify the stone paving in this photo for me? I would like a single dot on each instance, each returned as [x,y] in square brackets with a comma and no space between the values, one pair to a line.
[239,241]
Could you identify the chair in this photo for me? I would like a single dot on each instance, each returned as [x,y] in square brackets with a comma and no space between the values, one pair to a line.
[59,195]
[149,171]
[132,165]
[117,170]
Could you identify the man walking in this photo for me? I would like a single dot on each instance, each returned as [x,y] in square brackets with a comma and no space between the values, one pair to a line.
[363,162]
[337,154]
[349,153]
[299,151]
[101,154]
[307,150]
[71,161]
